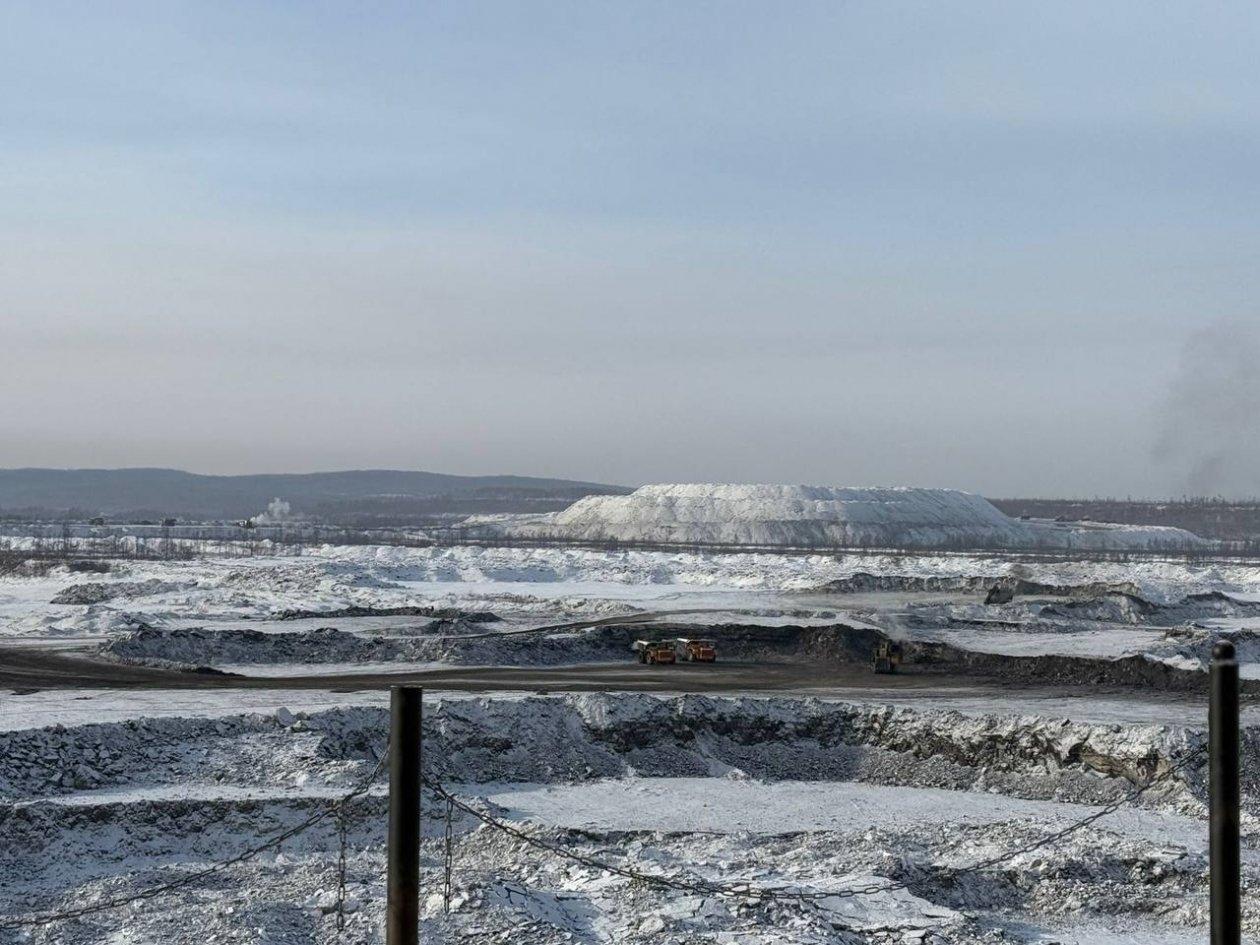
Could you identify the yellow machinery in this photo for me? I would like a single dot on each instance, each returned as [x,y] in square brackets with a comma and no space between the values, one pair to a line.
[887,657]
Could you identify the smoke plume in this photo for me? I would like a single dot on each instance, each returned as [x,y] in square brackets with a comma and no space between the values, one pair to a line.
[1209,438]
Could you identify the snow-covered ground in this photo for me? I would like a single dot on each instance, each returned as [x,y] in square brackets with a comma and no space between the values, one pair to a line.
[852,787]
[725,805]
[528,581]
[401,593]
[802,796]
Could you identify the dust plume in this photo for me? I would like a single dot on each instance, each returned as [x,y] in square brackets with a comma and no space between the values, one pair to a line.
[278,512]
[1209,437]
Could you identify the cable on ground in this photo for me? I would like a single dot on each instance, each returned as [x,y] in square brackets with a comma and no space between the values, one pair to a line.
[748,890]
[117,902]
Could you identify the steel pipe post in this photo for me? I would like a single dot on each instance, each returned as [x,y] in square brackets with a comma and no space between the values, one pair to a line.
[402,913]
[1225,867]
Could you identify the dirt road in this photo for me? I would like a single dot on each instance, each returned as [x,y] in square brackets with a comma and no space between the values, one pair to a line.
[38,668]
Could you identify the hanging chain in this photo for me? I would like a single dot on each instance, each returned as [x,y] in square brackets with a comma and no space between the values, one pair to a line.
[341,869]
[450,854]
[274,842]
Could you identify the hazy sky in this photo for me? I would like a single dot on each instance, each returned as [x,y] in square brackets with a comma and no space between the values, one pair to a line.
[996,246]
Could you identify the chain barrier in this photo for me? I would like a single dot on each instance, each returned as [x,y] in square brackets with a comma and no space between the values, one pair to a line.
[117,902]
[748,890]
[450,856]
[341,869]
[453,803]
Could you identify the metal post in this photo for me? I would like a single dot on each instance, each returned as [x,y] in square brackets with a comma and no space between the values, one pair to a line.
[1225,869]
[402,914]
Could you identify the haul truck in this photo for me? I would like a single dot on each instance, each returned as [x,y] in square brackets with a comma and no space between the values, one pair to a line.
[697,651]
[654,651]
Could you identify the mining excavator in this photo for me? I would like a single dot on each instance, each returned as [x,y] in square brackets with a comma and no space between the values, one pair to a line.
[887,657]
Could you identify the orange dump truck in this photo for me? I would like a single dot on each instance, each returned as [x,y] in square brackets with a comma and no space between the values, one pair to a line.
[697,651]
[653,651]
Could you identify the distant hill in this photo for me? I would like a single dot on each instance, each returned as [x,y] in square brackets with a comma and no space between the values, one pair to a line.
[354,497]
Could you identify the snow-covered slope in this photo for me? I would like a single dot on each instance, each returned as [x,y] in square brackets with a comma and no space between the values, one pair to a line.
[813,516]
[1108,536]
[788,515]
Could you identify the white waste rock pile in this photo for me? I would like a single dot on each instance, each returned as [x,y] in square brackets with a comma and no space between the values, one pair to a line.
[816,516]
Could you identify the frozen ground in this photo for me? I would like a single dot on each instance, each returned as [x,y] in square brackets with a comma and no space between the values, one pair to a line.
[850,788]
[802,796]
[537,581]
[542,585]
[725,805]
[49,707]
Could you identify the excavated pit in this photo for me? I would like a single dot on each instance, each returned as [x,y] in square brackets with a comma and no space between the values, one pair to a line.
[98,807]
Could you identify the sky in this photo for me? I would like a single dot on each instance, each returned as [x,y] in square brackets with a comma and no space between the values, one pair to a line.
[1009,248]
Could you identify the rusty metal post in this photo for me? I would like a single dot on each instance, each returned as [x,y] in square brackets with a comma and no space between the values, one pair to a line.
[402,913]
[1225,867]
